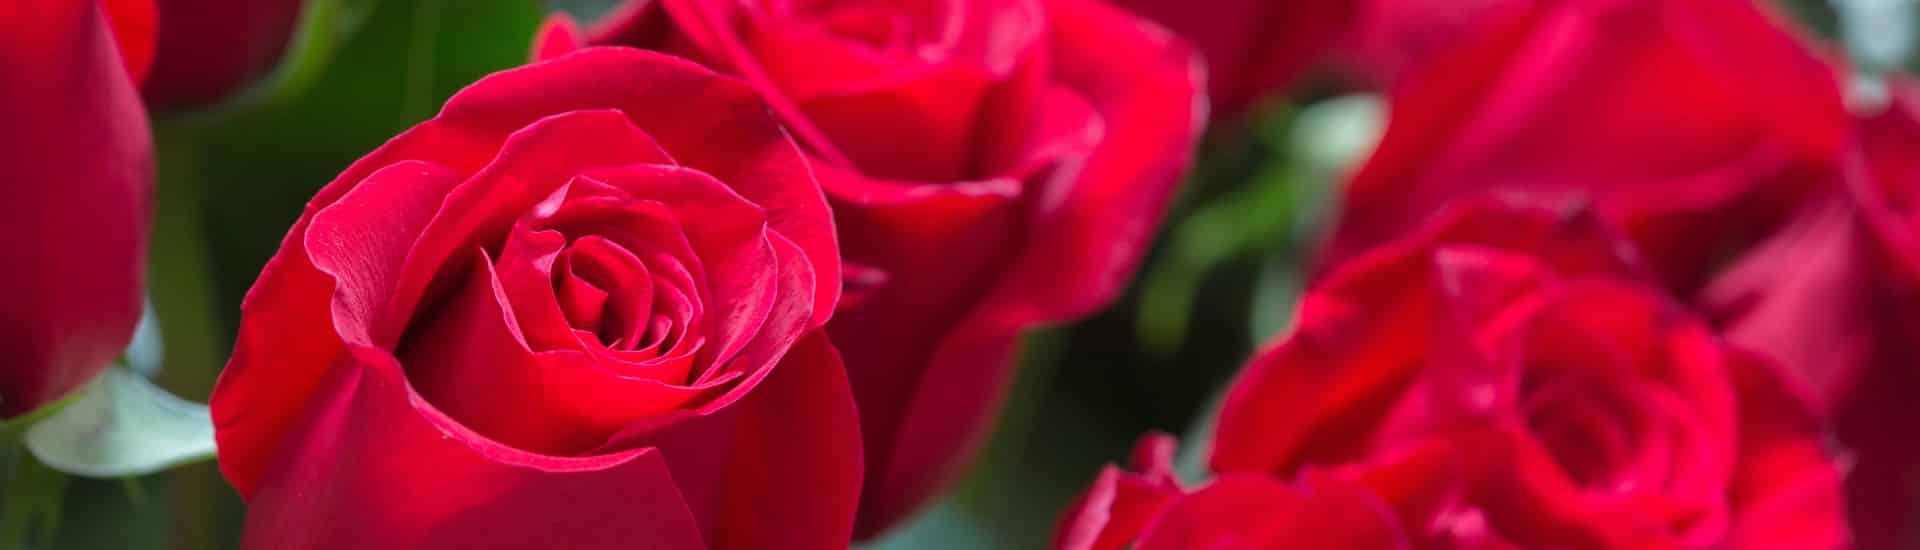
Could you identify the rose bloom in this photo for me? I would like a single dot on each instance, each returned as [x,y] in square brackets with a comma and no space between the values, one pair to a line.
[210,48]
[76,169]
[1543,390]
[1695,125]
[993,165]
[1836,297]
[579,308]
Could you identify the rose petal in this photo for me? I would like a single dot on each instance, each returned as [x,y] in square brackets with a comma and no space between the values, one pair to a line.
[1566,98]
[1121,504]
[1788,489]
[1245,59]
[483,498]
[135,25]
[558,35]
[1252,511]
[761,476]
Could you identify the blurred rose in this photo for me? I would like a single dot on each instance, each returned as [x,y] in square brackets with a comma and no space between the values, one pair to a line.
[1697,125]
[210,48]
[1389,39]
[993,165]
[1253,47]
[1149,510]
[76,173]
[1587,409]
[579,308]
[1836,297]
[1257,48]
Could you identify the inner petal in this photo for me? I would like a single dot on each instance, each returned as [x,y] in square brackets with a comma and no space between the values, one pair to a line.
[592,282]
[1583,427]
[584,304]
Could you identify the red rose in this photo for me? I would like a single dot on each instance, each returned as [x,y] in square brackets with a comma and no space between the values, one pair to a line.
[209,48]
[992,164]
[1149,510]
[579,308]
[76,173]
[1587,409]
[1696,125]
[1836,297]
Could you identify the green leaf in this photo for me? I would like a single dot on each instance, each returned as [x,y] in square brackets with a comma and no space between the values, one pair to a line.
[1197,442]
[1260,216]
[946,525]
[1275,294]
[122,425]
[30,497]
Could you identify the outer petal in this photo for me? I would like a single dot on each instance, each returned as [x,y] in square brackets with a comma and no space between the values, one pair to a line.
[1122,504]
[1393,38]
[1787,492]
[1832,298]
[75,174]
[1240,511]
[1086,232]
[1802,297]
[288,333]
[558,35]
[415,479]
[1671,114]
[209,48]
[781,467]
[134,25]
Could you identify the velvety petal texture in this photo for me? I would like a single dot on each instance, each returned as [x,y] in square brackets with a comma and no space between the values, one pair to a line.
[76,168]
[1696,125]
[1506,376]
[993,165]
[1835,296]
[581,308]
[211,48]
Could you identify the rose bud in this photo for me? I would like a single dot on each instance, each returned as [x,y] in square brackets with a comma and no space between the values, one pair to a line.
[578,308]
[993,166]
[210,48]
[76,168]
